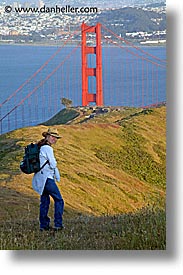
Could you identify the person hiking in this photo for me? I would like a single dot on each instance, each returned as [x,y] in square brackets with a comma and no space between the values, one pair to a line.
[44,182]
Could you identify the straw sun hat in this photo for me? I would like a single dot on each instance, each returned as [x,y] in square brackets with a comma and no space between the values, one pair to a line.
[52,132]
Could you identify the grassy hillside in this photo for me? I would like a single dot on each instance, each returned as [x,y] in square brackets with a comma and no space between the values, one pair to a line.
[64,116]
[113,164]
[144,230]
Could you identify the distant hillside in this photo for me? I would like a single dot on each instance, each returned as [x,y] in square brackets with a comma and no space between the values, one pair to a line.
[63,117]
[130,19]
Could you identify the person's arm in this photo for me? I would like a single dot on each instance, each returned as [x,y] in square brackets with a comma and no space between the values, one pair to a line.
[53,162]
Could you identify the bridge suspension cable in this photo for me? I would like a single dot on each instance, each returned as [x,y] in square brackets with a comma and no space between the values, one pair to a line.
[131,77]
[41,68]
[40,84]
[133,53]
[132,45]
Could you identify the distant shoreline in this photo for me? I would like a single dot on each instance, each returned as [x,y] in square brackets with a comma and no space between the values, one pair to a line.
[74,44]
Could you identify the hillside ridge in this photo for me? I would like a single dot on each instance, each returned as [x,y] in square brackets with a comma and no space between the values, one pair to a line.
[113,181]
[113,163]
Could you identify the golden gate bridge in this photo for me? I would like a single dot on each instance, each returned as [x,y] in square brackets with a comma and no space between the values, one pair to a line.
[128,76]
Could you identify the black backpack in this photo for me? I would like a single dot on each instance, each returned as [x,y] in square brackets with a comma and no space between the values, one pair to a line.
[31,163]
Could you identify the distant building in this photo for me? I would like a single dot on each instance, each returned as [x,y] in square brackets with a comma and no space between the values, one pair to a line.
[16,5]
[41,4]
[153,42]
[13,32]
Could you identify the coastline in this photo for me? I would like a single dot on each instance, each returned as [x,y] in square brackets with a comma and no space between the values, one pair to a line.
[76,43]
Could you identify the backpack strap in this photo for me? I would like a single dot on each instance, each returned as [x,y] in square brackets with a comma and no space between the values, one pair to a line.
[40,144]
[44,165]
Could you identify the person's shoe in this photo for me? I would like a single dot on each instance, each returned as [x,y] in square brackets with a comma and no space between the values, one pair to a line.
[60,228]
[45,228]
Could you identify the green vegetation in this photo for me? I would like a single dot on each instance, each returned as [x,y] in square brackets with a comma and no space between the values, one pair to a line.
[143,230]
[133,158]
[66,102]
[130,19]
[113,181]
[62,117]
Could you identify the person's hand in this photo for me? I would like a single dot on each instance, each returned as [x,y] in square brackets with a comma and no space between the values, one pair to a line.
[57,175]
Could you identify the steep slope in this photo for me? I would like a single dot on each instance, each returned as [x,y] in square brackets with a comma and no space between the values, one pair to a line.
[112,164]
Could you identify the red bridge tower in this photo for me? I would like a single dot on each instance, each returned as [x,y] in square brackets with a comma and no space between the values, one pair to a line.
[88,97]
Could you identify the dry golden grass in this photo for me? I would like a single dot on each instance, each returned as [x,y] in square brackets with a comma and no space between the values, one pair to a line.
[91,160]
[113,181]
